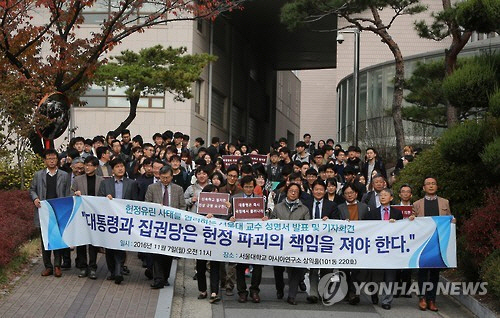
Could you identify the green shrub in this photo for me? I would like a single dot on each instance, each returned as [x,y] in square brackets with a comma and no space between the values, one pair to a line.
[494,107]
[490,156]
[10,177]
[482,229]
[462,184]
[470,85]
[466,263]
[464,142]
[490,270]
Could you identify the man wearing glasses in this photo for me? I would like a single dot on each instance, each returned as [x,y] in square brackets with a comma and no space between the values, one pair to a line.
[49,183]
[352,210]
[430,205]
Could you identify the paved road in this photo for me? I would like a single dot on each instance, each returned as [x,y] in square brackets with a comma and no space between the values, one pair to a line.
[187,305]
[70,296]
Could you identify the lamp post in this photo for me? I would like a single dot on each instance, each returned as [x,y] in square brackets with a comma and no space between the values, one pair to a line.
[340,39]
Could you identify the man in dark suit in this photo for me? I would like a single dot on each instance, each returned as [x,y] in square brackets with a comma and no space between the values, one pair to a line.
[320,209]
[385,213]
[87,184]
[118,187]
[353,210]
[169,194]
[49,183]
[77,169]
[151,175]
[248,184]
[372,198]
[104,156]
[373,162]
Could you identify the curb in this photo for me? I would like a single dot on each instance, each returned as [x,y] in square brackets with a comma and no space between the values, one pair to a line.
[471,303]
[165,299]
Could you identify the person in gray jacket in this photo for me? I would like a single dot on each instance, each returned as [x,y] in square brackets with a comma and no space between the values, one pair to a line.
[193,191]
[291,209]
[49,183]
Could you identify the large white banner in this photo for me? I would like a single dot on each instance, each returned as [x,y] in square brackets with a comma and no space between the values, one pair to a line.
[153,228]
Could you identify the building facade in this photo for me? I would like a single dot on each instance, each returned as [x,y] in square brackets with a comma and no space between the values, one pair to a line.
[375,98]
[242,95]
[320,111]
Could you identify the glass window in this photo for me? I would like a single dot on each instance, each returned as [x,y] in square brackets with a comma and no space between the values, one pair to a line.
[389,86]
[199,25]
[252,130]
[143,102]
[362,96]
[237,121]
[95,18]
[96,90]
[197,96]
[220,34]
[218,109]
[118,102]
[94,101]
[117,90]
[157,102]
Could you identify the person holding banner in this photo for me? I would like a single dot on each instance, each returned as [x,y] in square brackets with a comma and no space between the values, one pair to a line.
[385,213]
[248,184]
[228,278]
[169,194]
[192,192]
[119,187]
[87,184]
[353,210]
[201,264]
[290,209]
[322,209]
[49,183]
[430,205]
[404,275]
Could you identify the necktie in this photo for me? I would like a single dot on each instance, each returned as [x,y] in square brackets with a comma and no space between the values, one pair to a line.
[165,197]
[317,214]
[386,213]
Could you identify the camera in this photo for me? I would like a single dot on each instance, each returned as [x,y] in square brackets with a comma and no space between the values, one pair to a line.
[340,38]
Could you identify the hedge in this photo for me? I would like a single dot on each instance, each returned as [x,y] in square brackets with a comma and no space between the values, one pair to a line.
[16,222]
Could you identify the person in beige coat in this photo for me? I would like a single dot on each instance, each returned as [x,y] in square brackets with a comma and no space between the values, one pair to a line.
[430,205]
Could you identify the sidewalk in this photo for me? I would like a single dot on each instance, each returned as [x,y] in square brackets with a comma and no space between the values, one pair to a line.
[186,304]
[70,296]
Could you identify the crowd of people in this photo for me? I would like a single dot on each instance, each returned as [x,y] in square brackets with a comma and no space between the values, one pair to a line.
[308,181]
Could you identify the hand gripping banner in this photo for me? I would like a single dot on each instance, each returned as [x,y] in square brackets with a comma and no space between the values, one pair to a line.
[426,242]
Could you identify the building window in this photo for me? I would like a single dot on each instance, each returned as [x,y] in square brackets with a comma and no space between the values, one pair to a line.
[198,86]
[220,34]
[237,122]
[102,9]
[219,110]
[199,25]
[252,130]
[102,96]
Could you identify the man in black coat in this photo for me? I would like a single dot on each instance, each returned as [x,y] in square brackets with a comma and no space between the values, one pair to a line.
[319,208]
[119,187]
[388,214]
